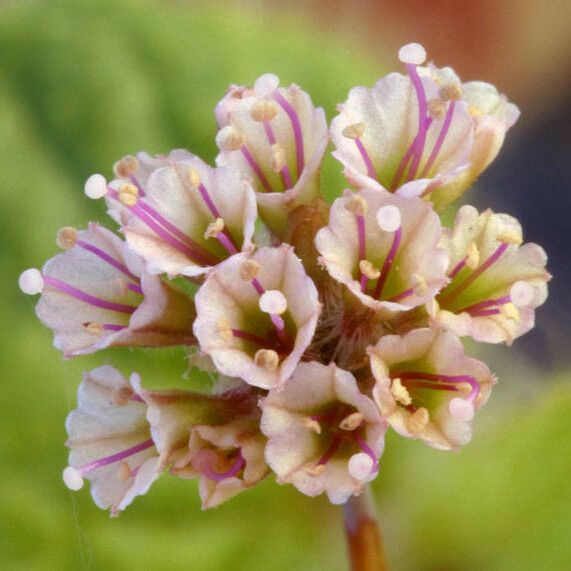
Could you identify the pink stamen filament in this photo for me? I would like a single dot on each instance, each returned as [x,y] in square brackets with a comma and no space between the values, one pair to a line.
[87,298]
[402,166]
[404,294]
[296,126]
[195,252]
[428,385]
[458,267]
[440,140]
[367,450]
[86,468]
[413,376]
[485,312]
[204,194]
[388,264]
[366,158]
[107,258]
[136,288]
[113,327]
[276,319]
[134,181]
[329,453]
[474,275]
[234,470]
[256,168]
[227,243]
[252,338]
[488,304]
[423,121]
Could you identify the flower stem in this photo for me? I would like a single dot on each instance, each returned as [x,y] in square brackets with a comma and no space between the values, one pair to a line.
[363,534]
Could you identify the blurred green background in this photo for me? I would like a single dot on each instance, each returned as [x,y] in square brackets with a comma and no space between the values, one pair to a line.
[83,83]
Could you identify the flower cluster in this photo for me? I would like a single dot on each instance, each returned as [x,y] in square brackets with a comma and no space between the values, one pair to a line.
[323,324]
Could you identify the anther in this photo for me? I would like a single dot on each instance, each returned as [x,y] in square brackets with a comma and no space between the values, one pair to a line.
[126,167]
[224,329]
[354,131]
[95,186]
[436,108]
[264,110]
[250,270]
[278,157]
[311,424]
[122,396]
[421,286]
[450,92]
[368,270]
[389,218]
[510,237]
[522,293]
[31,281]
[124,471]
[417,421]
[461,409]
[66,237]
[193,177]
[360,466]
[316,470]
[400,392]
[128,194]
[510,311]
[357,205]
[72,479]
[266,359]
[413,54]
[230,139]
[214,228]
[273,302]
[94,327]
[352,421]
[266,84]
[472,256]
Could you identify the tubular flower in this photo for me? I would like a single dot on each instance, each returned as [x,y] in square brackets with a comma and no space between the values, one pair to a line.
[320,326]
[427,388]
[276,137]
[495,282]
[95,294]
[324,435]
[227,459]
[424,134]
[252,317]
[181,215]
[384,249]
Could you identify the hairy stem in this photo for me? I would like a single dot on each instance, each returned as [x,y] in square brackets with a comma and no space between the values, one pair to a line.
[364,541]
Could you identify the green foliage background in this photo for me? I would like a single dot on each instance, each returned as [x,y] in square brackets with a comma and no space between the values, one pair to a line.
[83,83]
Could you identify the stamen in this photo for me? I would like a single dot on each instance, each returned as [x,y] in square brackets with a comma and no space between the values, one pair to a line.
[107,258]
[389,218]
[87,298]
[387,265]
[424,121]
[440,140]
[66,237]
[230,139]
[487,304]
[31,281]
[367,450]
[267,359]
[355,132]
[239,334]
[250,270]
[279,165]
[234,470]
[194,178]
[311,424]
[474,275]
[360,466]
[264,111]
[128,194]
[352,421]
[472,381]
[256,168]
[266,84]
[418,420]
[96,186]
[73,477]
[330,452]
[296,126]
[400,392]
[126,167]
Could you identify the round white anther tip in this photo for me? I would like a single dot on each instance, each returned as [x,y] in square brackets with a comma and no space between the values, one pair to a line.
[31,281]
[414,54]
[389,218]
[273,301]
[72,479]
[360,466]
[461,409]
[96,186]
[265,84]
[521,294]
